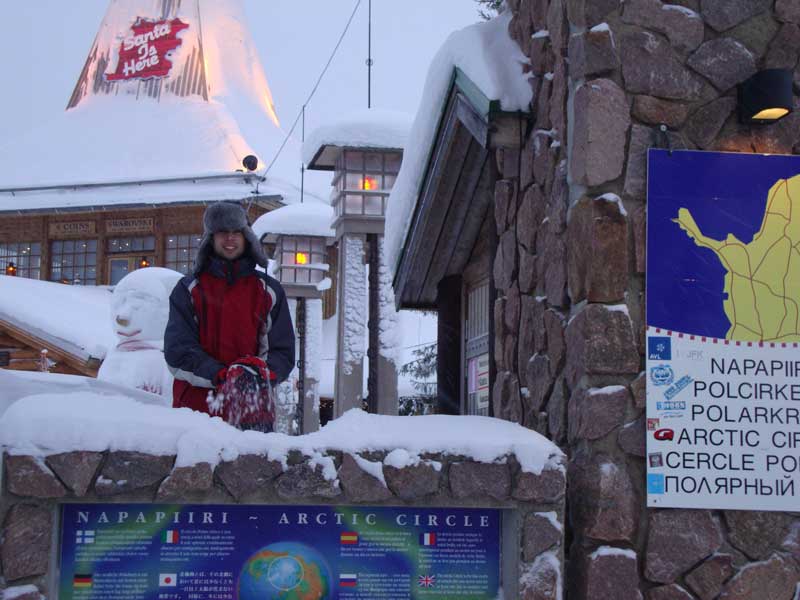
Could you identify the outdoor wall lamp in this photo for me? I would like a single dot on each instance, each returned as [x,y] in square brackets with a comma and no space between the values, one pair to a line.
[250,162]
[766,97]
[11,269]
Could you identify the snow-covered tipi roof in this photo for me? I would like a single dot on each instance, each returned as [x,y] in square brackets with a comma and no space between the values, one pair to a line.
[170,90]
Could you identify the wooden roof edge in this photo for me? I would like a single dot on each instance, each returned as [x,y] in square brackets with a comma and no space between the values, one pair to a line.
[75,357]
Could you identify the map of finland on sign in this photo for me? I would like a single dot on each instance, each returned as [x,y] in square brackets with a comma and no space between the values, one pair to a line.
[723,329]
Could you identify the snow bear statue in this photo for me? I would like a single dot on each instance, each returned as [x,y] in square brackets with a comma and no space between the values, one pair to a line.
[139,312]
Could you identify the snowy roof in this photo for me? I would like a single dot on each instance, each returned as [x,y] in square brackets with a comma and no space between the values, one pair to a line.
[61,422]
[129,135]
[494,63]
[308,218]
[368,128]
[201,188]
[72,317]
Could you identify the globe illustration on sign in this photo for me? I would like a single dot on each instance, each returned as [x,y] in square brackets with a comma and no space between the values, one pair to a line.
[285,570]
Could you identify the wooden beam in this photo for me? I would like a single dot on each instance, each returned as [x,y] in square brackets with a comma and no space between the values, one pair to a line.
[23,353]
[475,123]
[447,144]
[6,341]
[507,130]
[448,344]
[433,213]
[23,364]
[458,207]
[87,367]
[481,202]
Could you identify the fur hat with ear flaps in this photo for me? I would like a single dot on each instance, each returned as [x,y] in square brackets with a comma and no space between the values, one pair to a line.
[227,216]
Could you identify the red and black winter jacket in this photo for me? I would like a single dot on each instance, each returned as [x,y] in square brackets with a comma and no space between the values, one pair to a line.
[227,311]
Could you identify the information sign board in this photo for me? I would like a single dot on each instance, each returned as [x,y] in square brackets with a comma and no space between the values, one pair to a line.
[215,552]
[723,329]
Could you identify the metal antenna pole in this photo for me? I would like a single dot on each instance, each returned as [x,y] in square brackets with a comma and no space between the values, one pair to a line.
[302,164]
[369,55]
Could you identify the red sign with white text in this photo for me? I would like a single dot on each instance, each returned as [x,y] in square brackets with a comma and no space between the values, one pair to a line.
[143,54]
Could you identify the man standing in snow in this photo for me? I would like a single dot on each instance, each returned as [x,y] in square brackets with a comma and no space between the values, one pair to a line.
[230,337]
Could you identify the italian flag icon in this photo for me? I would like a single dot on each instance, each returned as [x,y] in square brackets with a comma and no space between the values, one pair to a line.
[170,537]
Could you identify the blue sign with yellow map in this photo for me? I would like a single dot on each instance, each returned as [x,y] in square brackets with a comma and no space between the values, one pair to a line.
[723,331]
[723,235]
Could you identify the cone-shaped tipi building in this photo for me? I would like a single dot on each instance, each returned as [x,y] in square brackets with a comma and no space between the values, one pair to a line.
[170,100]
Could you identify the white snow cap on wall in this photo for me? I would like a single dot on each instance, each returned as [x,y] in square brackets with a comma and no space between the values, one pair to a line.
[50,423]
[307,218]
[493,61]
[132,136]
[367,128]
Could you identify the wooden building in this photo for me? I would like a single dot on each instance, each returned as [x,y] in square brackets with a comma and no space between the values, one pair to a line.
[122,177]
[446,262]
[24,349]
[98,244]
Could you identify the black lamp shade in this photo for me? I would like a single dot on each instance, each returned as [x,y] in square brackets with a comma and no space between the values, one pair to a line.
[250,162]
[766,96]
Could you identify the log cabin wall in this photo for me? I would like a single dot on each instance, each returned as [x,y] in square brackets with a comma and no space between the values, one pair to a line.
[102,226]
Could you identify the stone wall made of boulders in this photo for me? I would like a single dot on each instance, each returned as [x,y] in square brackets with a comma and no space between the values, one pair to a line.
[612,79]
[34,487]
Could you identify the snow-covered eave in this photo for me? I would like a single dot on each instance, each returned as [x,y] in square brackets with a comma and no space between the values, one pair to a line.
[326,155]
[488,110]
[75,356]
[140,193]
[246,178]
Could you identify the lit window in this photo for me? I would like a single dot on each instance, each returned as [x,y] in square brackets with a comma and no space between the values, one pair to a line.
[26,256]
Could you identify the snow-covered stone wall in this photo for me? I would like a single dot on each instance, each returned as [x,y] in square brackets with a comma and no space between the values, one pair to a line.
[34,485]
[570,273]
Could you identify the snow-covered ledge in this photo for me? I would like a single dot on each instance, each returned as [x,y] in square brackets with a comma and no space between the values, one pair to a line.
[61,448]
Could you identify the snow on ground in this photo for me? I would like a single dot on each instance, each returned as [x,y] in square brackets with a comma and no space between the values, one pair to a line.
[73,317]
[493,61]
[20,384]
[308,218]
[51,423]
[366,128]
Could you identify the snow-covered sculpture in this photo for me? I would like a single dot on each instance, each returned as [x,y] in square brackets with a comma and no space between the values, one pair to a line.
[139,312]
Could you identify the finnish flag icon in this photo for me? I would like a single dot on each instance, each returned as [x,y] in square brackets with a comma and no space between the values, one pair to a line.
[168,580]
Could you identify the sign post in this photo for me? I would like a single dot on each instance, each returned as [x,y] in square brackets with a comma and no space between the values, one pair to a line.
[723,330]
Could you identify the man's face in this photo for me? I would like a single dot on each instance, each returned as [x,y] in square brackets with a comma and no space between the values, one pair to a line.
[229,244]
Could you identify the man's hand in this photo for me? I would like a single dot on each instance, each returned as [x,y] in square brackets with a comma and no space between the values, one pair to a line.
[254,362]
[219,378]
